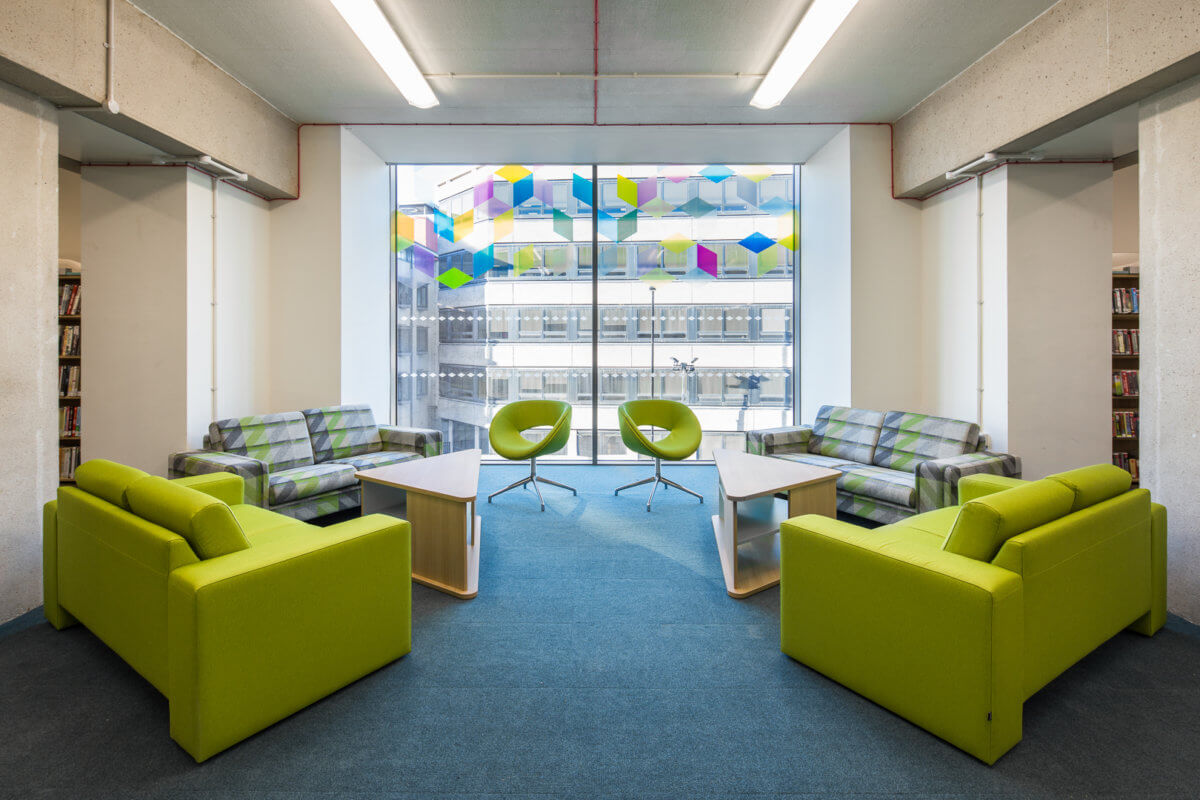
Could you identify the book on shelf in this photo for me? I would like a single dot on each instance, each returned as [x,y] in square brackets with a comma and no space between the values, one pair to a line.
[68,460]
[1125,383]
[68,381]
[1125,342]
[68,422]
[68,299]
[1125,424]
[1126,462]
[68,340]
[1125,300]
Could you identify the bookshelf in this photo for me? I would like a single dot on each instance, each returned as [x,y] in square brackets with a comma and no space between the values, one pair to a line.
[1126,352]
[69,367]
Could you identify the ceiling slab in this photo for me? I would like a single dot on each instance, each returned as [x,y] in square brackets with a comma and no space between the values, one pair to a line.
[301,57]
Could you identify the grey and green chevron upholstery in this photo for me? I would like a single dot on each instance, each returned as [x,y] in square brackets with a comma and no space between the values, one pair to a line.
[937,481]
[907,439]
[278,440]
[303,464]
[849,433]
[894,464]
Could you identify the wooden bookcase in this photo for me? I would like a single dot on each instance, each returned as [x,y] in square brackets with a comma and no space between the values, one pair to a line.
[1125,360]
[69,398]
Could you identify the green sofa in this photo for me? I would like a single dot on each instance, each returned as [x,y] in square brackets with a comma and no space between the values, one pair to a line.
[953,618]
[238,615]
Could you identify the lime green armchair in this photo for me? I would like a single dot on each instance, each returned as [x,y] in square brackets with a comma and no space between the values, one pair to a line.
[506,439]
[240,616]
[953,618]
[682,439]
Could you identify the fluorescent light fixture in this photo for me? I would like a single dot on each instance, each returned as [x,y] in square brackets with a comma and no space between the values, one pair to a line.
[811,35]
[375,32]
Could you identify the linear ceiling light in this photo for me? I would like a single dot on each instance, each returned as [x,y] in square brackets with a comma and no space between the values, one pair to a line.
[375,32]
[811,35]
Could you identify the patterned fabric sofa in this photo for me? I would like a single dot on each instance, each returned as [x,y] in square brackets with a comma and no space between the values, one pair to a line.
[302,463]
[894,464]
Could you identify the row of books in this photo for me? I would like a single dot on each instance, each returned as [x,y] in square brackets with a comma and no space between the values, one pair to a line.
[68,421]
[68,340]
[1127,463]
[1125,424]
[1125,383]
[1125,342]
[1125,301]
[68,381]
[68,460]
[68,299]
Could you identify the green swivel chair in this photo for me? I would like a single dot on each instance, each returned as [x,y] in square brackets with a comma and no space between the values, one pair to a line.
[681,441]
[505,436]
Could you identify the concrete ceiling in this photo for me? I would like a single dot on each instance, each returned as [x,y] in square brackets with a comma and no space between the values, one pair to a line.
[301,57]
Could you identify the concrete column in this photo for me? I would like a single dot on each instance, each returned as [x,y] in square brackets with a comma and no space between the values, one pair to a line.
[1169,179]
[28,341]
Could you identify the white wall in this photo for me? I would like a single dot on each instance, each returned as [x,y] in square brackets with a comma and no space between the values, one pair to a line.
[134,325]
[1125,209]
[199,246]
[69,185]
[825,278]
[365,277]
[1169,177]
[28,341]
[305,364]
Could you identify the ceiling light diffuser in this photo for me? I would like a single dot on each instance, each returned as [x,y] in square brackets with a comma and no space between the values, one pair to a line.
[379,37]
[815,30]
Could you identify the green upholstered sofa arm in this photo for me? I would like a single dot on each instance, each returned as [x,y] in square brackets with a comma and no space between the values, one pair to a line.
[256,635]
[425,442]
[227,487]
[204,462]
[937,480]
[789,439]
[933,636]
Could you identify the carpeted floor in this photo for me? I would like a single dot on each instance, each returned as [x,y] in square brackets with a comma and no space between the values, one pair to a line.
[602,658]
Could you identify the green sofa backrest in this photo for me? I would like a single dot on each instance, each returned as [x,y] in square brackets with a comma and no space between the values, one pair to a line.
[1094,484]
[107,480]
[986,523]
[206,523]
[849,433]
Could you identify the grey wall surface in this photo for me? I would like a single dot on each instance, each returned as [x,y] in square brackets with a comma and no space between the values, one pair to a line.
[28,340]
[1169,177]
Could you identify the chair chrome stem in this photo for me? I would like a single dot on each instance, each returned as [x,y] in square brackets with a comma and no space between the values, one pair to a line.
[533,479]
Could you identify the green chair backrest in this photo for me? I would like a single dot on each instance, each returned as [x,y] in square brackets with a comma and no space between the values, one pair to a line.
[505,431]
[684,433]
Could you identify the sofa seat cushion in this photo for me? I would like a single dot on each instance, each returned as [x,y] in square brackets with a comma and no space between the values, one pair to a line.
[890,485]
[935,523]
[341,431]
[262,526]
[301,482]
[907,439]
[849,433]
[986,523]
[828,462]
[205,522]
[371,460]
[900,533]
[278,440]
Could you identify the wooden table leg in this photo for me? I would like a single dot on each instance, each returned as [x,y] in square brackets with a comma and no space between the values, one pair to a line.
[445,544]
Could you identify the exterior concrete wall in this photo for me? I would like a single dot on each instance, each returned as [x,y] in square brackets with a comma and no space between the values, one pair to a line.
[1169,177]
[1075,63]
[169,94]
[28,341]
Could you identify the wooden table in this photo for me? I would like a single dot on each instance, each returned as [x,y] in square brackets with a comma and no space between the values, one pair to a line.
[437,496]
[747,529]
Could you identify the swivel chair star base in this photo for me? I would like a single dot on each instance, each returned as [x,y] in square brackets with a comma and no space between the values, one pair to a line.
[533,479]
[682,439]
[505,436]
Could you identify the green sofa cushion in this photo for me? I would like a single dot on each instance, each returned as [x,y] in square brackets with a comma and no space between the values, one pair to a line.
[107,480]
[984,524]
[1094,484]
[205,522]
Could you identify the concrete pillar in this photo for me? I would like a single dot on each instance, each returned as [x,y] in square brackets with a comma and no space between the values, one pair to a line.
[28,341]
[1169,180]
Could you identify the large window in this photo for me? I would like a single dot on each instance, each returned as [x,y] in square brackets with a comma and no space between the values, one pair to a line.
[689,296]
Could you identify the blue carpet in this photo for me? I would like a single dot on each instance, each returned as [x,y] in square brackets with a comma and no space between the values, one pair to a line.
[602,658]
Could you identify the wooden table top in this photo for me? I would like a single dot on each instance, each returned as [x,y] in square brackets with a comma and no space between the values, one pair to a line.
[745,475]
[453,476]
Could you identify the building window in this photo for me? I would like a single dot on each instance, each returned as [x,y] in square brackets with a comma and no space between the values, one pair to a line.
[556,385]
[423,297]
[422,340]
[500,321]
[773,323]
[404,341]
[554,323]
[498,388]
[530,323]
